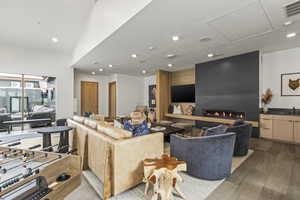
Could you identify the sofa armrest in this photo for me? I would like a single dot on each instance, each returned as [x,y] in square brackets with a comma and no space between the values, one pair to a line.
[128,156]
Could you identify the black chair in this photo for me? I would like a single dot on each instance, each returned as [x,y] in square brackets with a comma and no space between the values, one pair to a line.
[243,135]
[61,122]
[4,117]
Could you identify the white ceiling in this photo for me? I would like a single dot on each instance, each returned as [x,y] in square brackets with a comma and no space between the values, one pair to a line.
[32,23]
[235,27]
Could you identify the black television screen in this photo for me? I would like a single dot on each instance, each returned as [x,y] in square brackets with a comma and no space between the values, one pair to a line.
[183,93]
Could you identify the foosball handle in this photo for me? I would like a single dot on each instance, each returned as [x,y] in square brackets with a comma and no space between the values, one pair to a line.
[35,146]
[14,144]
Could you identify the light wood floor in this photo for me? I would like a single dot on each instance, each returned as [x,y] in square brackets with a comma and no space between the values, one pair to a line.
[271,173]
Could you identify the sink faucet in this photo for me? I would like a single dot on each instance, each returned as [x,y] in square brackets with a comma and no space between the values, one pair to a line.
[294,110]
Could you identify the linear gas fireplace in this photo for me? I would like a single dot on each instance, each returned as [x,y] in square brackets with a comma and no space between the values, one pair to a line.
[228,114]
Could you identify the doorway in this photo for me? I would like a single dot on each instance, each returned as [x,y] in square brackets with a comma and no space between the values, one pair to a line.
[89,97]
[112,99]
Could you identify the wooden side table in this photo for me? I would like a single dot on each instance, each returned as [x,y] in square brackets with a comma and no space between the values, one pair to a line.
[163,174]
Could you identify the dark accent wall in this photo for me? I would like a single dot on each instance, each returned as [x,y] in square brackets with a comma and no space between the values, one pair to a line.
[230,84]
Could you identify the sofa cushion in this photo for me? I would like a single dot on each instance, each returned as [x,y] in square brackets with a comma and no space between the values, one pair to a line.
[113,132]
[91,123]
[78,119]
[221,129]
[118,124]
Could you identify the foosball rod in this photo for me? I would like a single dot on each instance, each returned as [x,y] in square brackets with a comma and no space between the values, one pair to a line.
[16,140]
[16,152]
[4,170]
[49,147]
[35,168]
[19,157]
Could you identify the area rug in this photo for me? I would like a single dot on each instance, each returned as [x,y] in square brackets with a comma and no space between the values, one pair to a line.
[193,188]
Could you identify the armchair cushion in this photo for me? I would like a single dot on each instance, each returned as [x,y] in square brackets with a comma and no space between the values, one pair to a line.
[221,129]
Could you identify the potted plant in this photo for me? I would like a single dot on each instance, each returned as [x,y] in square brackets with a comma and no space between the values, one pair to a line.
[266,99]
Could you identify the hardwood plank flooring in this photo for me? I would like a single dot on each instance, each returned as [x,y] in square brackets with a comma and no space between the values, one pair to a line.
[271,173]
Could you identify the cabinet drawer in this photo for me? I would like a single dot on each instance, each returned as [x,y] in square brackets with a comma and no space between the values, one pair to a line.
[266,133]
[266,123]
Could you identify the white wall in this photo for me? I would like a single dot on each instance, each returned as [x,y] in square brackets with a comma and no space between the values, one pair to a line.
[150,80]
[273,65]
[130,93]
[102,81]
[107,16]
[25,61]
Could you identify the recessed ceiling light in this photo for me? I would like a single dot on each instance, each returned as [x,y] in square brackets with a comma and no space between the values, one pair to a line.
[144,71]
[170,65]
[288,23]
[290,35]
[210,55]
[101,70]
[134,55]
[151,48]
[171,56]
[205,39]
[175,38]
[110,65]
[93,73]
[54,39]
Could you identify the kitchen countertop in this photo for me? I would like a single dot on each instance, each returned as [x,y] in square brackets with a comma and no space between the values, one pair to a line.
[282,111]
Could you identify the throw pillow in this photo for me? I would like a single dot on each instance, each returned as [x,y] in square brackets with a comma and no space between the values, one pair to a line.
[128,126]
[238,122]
[118,124]
[137,130]
[177,109]
[141,129]
[218,130]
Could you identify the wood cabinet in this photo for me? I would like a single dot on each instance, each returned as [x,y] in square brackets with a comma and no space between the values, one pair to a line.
[283,130]
[297,131]
[266,127]
[280,127]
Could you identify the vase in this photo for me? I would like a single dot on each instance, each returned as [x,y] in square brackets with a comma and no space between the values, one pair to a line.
[265,108]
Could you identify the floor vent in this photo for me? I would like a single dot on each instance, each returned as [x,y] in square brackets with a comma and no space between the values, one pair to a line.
[293,9]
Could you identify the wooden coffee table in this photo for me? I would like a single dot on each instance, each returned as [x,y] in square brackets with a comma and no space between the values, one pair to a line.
[163,174]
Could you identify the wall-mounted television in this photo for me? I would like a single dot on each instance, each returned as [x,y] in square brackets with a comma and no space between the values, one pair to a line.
[183,94]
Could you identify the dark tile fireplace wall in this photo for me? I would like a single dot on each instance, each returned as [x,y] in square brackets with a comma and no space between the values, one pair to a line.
[229,84]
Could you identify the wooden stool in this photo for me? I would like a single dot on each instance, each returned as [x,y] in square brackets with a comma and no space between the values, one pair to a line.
[163,174]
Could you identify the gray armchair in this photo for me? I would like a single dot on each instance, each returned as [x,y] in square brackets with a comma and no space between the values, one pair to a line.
[207,157]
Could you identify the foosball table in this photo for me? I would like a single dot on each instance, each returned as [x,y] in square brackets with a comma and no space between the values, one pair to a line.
[34,175]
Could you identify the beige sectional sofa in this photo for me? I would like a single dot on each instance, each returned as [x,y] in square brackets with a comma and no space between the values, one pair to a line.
[112,154]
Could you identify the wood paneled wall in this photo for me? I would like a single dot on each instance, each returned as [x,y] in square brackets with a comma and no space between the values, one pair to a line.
[183,77]
[163,82]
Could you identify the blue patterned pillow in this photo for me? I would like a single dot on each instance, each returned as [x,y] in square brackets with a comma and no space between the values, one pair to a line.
[137,130]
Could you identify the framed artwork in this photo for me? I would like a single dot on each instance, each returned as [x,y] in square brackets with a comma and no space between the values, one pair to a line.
[152,95]
[290,84]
